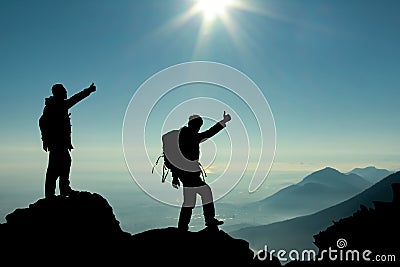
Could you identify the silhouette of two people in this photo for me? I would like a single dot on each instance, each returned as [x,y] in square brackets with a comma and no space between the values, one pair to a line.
[191,177]
[55,126]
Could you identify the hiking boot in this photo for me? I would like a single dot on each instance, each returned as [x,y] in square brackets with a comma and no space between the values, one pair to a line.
[214,222]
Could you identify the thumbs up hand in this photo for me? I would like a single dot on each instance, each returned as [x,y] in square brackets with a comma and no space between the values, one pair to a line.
[226,118]
[92,87]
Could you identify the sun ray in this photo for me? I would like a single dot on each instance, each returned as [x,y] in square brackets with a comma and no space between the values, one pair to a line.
[224,16]
[212,13]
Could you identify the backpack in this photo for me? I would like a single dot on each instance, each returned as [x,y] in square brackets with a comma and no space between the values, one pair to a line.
[170,150]
[172,155]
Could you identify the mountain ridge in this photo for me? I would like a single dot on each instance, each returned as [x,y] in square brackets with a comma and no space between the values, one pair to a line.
[302,228]
[371,173]
[328,185]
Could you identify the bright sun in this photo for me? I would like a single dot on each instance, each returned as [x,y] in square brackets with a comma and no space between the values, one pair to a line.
[212,8]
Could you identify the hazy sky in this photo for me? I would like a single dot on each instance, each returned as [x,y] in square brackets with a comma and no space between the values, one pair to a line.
[328,69]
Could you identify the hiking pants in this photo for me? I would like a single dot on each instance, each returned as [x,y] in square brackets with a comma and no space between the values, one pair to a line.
[193,185]
[58,167]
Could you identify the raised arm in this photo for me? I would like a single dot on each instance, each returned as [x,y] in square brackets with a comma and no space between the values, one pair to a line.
[70,102]
[215,129]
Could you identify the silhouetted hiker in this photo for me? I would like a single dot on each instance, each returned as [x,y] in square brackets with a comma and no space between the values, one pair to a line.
[190,176]
[55,126]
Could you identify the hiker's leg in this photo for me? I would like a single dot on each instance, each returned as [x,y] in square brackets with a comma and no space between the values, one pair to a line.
[64,172]
[184,218]
[207,201]
[52,173]
[189,201]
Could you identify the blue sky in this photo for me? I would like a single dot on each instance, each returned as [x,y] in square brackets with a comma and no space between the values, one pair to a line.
[328,69]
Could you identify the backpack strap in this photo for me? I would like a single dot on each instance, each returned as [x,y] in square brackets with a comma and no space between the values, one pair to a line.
[203,172]
[158,159]
[165,170]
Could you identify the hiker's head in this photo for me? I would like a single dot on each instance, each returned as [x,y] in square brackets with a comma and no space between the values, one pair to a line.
[195,122]
[59,91]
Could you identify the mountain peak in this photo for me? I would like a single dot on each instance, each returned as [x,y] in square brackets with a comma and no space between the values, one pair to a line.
[368,168]
[327,174]
[329,169]
[371,173]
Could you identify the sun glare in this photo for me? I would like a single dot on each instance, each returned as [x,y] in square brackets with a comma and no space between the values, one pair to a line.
[212,8]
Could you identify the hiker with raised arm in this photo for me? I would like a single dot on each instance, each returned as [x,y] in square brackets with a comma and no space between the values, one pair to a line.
[55,127]
[188,171]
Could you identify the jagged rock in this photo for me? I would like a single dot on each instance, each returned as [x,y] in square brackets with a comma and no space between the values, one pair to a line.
[82,229]
[376,230]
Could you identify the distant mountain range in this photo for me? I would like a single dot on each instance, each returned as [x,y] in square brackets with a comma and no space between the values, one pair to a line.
[297,233]
[317,191]
[371,173]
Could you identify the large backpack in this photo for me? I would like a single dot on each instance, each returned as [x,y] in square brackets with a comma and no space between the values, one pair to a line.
[170,150]
[173,158]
